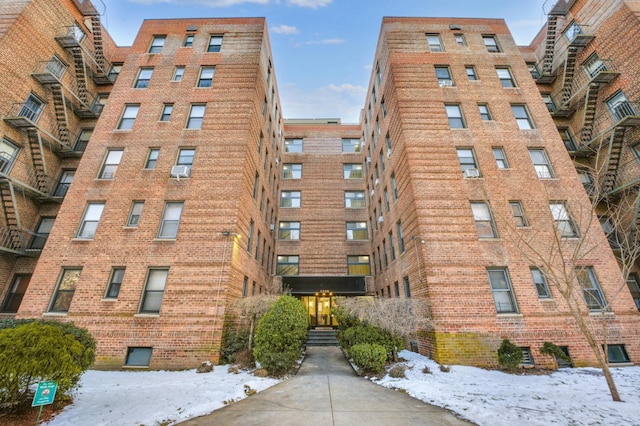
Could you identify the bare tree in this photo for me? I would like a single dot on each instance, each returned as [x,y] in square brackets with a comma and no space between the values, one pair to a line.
[402,318]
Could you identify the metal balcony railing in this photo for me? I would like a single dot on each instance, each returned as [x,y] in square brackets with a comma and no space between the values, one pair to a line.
[21,241]
[54,72]
[74,37]
[624,114]
[627,175]
[597,71]
[91,8]
[23,175]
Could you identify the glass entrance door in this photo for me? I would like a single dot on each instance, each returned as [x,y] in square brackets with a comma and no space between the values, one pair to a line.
[319,310]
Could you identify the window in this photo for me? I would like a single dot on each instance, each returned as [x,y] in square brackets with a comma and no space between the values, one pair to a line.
[31,108]
[541,283]
[250,236]
[206,76]
[484,220]
[352,171]
[358,265]
[170,220]
[115,282]
[196,115]
[90,220]
[83,140]
[135,213]
[533,70]
[594,65]
[460,41]
[114,72]
[484,112]
[617,354]
[154,291]
[357,231]
[387,206]
[256,181]
[567,138]
[8,154]
[400,237]
[354,199]
[454,113]
[471,72]
[394,187]
[293,145]
[144,75]
[591,290]
[245,286]
[188,40]
[634,288]
[138,357]
[522,117]
[291,171]
[587,181]
[506,79]
[178,72]
[56,67]
[288,265]
[572,31]
[407,287]
[434,42]
[548,101]
[527,358]
[128,117]
[15,294]
[491,43]
[563,221]
[351,145]
[518,214]
[501,289]
[392,248]
[157,43]
[42,233]
[541,163]
[501,158]
[620,107]
[215,43]
[383,107]
[63,183]
[64,291]
[466,158]
[185,157]
[290,199]
[167,109]
[289,231]
[152,158]
[111,162]
[444,76]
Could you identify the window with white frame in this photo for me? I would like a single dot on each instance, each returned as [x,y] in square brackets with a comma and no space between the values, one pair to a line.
[443,75]
[454,114]
[591,290]
[154,291]
[491,43]
[215,43]
[293,145]
[483,220]
[435,43]
[354,199]
[157,42]
[522,117]
[185,157]
[90,220]
[128,117]
[352,171]
[541,163]
[31,108]
[539,280]
[620,107]
[351,145]
[8,154]
[206,76]
[466,158]
[170,220]
[460,40]
[135,213]
[144,76]
[111,163]
[196,116]
[564,223]
[289,230]
[506,79]
[292,171]
[290,199]
[501,290]
[357,231]
[66,288]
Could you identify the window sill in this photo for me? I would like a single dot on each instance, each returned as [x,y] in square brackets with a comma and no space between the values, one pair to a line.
[146,315]
[135,367]
[510,315]
[121,130]
[110,299]
[621,364]
[608,315]
[191,129]
[82,239]
[54,314]
[129,227]
[165,239]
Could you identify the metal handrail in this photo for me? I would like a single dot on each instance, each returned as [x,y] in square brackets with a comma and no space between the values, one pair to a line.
[610,118]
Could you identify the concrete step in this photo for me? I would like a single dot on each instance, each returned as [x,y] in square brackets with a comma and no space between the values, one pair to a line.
[322,338]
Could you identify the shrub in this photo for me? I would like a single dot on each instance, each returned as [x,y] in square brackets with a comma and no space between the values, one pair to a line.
[345,320]
[367,333]
[444,368]
[280,335]
[509,355]
[34,352]
[398,372]
[244,358]
[369,358]
[233,342]
[426,370]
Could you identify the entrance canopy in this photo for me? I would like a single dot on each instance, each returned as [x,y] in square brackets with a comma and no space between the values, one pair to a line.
[341,285]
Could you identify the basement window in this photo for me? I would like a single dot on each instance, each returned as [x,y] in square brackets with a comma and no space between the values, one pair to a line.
[138,357]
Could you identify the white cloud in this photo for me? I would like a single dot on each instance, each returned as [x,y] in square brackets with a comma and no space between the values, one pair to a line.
[314,4]
[323,41]
[285,29]
[342,101]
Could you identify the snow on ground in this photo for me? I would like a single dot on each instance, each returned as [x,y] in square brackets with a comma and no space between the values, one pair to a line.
[577,396]
[574,396]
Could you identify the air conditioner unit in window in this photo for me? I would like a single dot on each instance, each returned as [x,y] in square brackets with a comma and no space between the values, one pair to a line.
[272,227]
[380,219]
[445,83]
[388,153]
[277,161]
[368,160]
[377,182]
[180,172]
[471,173]
[373,192]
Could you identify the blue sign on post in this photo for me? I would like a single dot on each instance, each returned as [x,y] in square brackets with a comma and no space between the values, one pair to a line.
[45,394]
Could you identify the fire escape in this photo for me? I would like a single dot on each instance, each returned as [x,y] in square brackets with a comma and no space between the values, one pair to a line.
[49,129]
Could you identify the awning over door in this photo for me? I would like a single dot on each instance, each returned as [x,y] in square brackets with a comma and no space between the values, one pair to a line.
[347,286]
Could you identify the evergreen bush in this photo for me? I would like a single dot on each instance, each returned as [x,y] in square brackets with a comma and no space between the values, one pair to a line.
[369,358]
[34,351]
[232,343]
[367,333]
[509,355]
[280,335]
[554,350]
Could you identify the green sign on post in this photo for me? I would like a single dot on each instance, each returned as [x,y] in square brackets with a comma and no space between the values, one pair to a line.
[44,396]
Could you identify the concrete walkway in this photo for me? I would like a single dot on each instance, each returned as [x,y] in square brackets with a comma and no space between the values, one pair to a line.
[326,391]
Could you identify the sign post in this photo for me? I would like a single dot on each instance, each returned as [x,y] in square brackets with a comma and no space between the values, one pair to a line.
[45,394]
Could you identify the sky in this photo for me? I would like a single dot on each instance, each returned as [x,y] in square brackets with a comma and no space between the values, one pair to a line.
[570,396]
[323,50]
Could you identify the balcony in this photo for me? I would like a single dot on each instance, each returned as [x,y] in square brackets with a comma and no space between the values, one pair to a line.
[19,242]
[86,50]
[602,71]
[90,8]
[627,176]
[23,177]
[623,114]
[578,35]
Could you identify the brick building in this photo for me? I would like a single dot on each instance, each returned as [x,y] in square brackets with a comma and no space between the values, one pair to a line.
[195,192]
